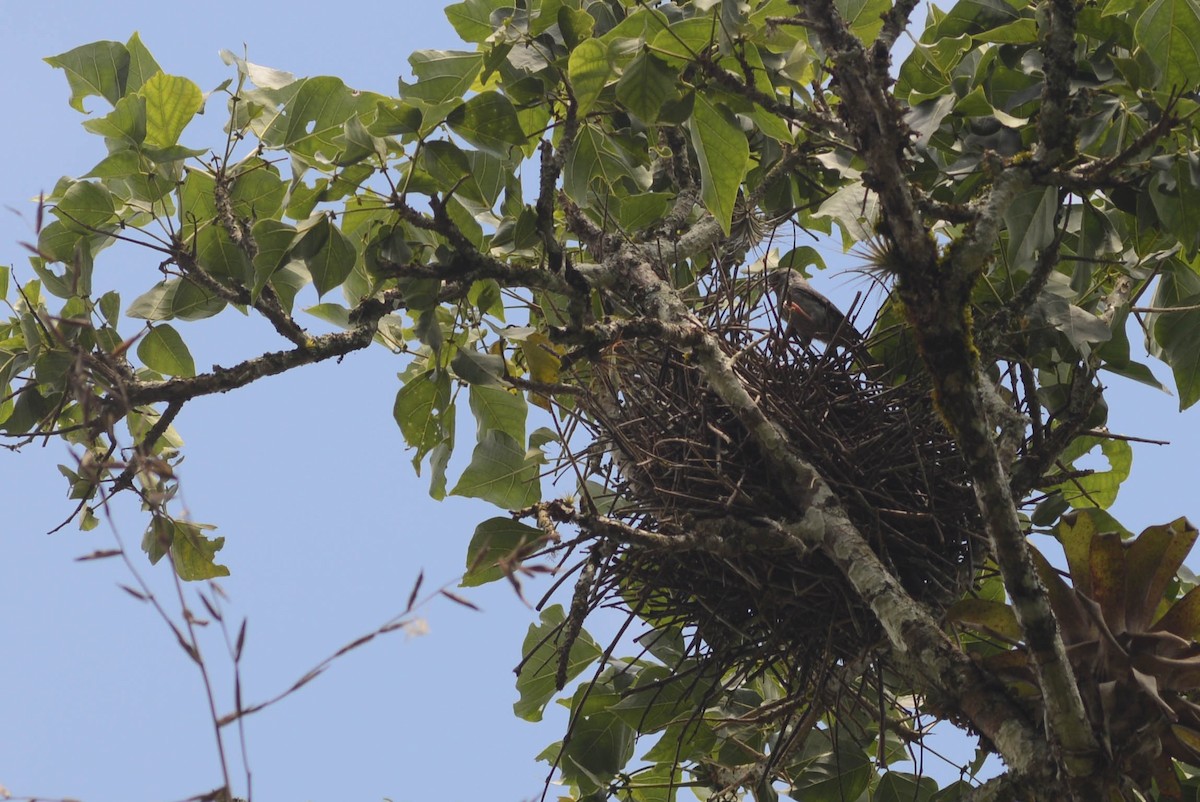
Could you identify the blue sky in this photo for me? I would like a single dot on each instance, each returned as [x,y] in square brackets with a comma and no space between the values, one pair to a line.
[310,483]
[306,475]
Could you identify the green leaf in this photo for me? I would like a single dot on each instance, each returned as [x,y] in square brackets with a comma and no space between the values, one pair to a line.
[835,776]
[724,156]
[274,240]
[655,702]
[1176,198]
[142,65]
[442,75]
[684,40]
[173,298]
[221,257]
[540,660]
[488,121]
[196,202]
[171,103]
[1030,221]
[647,85]
[1176,334]
[472,19]
[897,786]
[1168,32]
[313,121]
[498,409]
[336,314]
[599,748]
[420,410]
[496,541]
[257,191]
[1099,488]
[1023,31]
[986,615]
[478,368]
[193,554]
[596,155]
[124,126]
[864,16]
[101,68]
[327,252]
[87,206]
[588,70]
[500,472]
[643,210]
[163,350]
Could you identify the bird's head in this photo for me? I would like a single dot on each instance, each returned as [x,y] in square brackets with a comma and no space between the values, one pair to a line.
[781,279]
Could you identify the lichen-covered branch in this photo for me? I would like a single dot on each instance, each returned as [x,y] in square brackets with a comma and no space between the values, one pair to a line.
[936,293]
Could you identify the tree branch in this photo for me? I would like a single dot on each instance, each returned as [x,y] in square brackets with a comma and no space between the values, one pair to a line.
[936,294]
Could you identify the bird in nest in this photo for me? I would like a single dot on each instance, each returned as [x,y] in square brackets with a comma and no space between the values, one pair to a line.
[808,315]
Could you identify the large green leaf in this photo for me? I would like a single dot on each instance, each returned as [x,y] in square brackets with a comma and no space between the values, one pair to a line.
[596,155]
[1179,336]
[142,65]
[540,662]
[327,252]
[313,121]
[101,68]
[865,16]
[442,75]
[274,240]
[724,156]
[472,19]
[488,121]
[1176,198]
[834,776]
[499,409]
[124,126]
[588,70]
[495,541]
[420,410]
[897,786]
[175,297]
[1177,333]
[648,84]
[1099,488]
[599,747]
[164,351]
[86,206]
[1168,32]
[501,472]
[221,257]
[258,191]
[1030,222]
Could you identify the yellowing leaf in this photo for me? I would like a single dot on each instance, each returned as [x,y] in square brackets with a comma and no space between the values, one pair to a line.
[171,103]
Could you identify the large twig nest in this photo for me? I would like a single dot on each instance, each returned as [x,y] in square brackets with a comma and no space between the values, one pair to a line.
[682,463]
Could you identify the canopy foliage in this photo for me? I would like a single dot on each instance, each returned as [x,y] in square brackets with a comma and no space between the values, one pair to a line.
[574,213]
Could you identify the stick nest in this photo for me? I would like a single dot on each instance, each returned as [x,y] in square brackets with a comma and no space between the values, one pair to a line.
[685,468]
